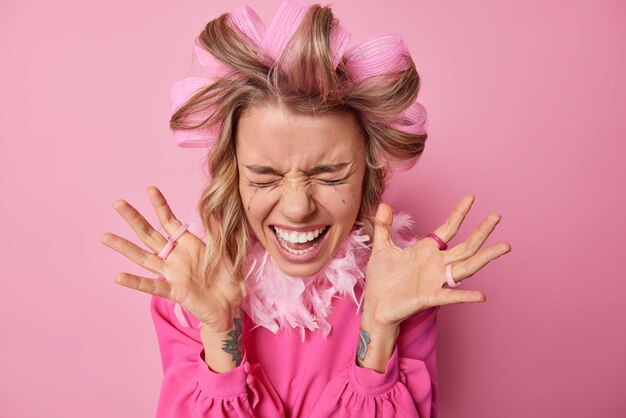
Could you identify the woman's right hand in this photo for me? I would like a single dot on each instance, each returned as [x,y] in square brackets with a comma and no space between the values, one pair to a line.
[214,302]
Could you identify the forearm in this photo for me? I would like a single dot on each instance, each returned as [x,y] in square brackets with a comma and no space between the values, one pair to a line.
[376,343]
[223,351]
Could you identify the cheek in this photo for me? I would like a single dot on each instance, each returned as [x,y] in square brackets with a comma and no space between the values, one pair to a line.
[247,197]
[342,201]
[257,203]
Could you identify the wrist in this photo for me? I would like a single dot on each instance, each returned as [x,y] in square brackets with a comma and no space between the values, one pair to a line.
[379,328]
[375,320]
[376,343]
[223,350]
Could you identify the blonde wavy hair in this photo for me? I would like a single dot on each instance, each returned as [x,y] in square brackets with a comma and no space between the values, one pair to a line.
[311,86]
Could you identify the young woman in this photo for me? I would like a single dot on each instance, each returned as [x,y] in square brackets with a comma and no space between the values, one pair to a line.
[302,296]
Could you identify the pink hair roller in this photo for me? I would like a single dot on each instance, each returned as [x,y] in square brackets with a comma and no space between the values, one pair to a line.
[384,54]
[283,26]
[248,21]
[377,54]
[244,19]
[413,121]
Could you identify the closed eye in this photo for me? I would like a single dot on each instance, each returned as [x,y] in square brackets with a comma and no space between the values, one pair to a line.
[332,182]
[272,183]
[262,185]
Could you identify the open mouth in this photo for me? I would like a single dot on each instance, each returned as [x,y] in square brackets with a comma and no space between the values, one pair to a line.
[299,243]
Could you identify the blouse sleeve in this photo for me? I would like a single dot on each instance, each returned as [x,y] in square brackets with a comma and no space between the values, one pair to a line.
[408,388]
[191,389]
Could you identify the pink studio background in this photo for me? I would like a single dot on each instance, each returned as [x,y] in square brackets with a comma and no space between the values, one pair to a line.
[524,98]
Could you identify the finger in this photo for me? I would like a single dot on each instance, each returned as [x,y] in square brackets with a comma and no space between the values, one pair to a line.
[382,226]
[156,287]
[450,296]
[164,212]
[467,268]
[476,239]
[146,233]
[138,255]
[448,230]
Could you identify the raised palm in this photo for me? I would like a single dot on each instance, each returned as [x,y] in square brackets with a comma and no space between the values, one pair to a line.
[404,281]
[212,301]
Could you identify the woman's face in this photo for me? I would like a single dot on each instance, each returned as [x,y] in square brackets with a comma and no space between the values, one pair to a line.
[300,181]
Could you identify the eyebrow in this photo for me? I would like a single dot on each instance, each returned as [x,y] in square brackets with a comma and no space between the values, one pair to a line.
[319,169]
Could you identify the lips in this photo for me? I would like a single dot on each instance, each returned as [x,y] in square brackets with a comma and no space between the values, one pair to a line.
[286,241]
[291,238]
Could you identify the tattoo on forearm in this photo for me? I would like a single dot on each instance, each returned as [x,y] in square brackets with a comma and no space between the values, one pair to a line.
[234,344]
[364,340]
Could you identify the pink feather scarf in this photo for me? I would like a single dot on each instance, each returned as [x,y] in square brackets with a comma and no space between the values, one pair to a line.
[276,301]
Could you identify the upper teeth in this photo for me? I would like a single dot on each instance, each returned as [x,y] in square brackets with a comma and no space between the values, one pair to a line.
[294,237]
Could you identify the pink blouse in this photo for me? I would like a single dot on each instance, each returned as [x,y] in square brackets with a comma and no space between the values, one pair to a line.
[281,376]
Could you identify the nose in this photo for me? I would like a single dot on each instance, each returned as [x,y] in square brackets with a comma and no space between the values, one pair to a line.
[297,203]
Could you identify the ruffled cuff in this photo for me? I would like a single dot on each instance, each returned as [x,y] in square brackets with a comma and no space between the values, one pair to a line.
[365,392]
[369,382]
[227,384]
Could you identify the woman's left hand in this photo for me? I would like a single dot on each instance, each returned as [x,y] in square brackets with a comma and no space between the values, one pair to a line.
[403,281]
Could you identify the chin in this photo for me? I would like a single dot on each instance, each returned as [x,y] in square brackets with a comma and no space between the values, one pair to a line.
[300,270]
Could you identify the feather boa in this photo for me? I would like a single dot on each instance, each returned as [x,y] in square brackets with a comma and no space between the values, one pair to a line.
[277,301]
